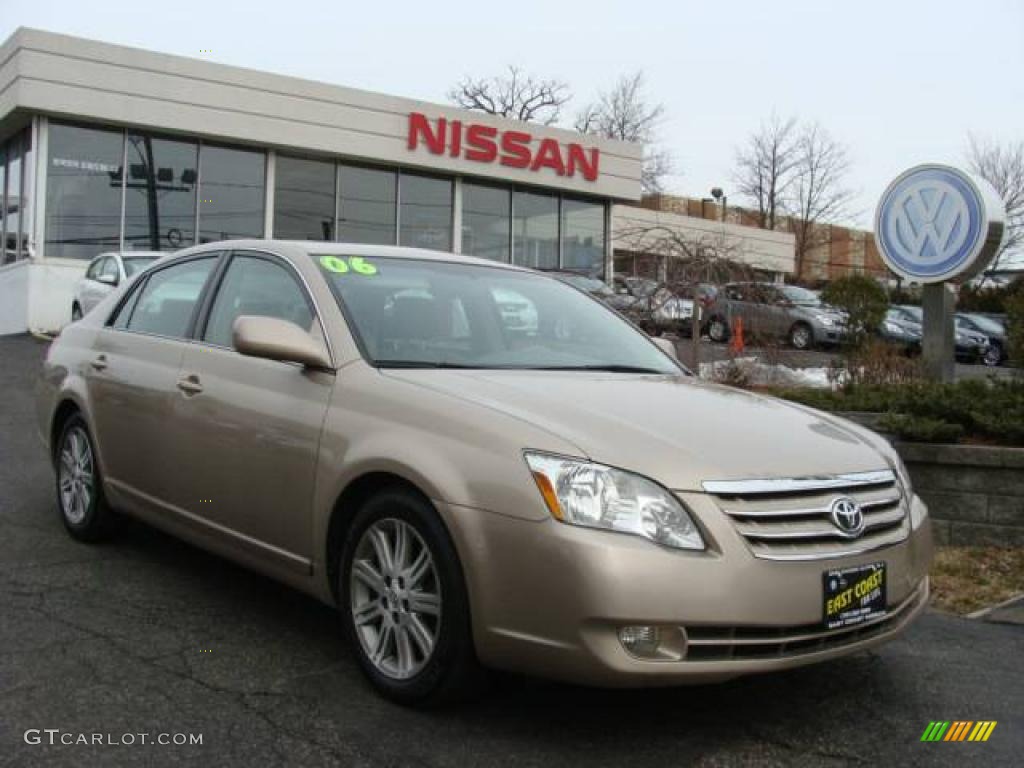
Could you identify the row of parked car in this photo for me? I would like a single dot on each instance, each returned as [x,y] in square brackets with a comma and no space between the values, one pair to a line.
[784,312]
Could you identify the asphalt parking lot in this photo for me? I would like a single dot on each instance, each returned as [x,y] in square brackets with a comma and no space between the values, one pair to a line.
[148,635]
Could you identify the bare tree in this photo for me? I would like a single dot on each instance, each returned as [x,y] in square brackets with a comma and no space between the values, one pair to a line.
[624,113]
[687,262]
[817,196]
[766,168]
[1002,166]
[515,95]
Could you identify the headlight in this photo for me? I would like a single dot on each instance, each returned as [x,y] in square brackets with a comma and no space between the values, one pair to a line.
[826,320]
[893,328]
[904,477]
[595,496]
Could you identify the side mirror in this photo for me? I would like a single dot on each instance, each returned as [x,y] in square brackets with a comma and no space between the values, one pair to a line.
[107,279]
[665,346]
[274,339]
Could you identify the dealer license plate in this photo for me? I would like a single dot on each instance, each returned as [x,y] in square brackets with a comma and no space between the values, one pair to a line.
[853,595]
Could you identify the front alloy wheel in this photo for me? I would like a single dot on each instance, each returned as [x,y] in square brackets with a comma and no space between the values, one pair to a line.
[403,599]
[395,598]
[718,331]
[993,356]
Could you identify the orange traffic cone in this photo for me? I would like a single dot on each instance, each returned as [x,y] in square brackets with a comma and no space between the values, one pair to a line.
[736,345]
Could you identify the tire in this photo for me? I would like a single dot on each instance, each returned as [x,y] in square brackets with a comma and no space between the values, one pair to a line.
[993,356]
[76,312]
[801,336]
[413,639]
[80,500]
[718,330]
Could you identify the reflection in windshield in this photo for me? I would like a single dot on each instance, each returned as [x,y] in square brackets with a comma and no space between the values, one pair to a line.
[432,314]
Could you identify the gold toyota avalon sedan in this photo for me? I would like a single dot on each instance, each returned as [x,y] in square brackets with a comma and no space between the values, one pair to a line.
[481,466]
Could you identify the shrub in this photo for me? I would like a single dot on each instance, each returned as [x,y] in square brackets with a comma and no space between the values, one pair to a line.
[921,429]
[878,362]
[862,298]
[987,410]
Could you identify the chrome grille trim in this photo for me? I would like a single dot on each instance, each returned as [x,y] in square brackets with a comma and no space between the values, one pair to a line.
[764,485]
[797,524]
[807,511]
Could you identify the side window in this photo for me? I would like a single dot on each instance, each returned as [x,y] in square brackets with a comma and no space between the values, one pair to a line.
[169,297]
[124,312]
[256,286]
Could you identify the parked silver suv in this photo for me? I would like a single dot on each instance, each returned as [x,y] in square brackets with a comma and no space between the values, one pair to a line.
[778,311]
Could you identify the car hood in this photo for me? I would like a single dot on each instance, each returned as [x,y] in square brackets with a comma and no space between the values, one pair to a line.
[677,430]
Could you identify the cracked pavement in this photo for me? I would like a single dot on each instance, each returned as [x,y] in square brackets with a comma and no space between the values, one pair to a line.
[147,634]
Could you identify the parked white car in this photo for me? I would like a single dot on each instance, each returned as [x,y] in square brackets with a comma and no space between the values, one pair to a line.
[104,274]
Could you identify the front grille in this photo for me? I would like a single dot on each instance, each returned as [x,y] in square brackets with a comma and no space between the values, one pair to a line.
[790,518]
[721,643]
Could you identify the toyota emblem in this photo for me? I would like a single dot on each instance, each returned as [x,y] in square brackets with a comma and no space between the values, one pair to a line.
[847,516]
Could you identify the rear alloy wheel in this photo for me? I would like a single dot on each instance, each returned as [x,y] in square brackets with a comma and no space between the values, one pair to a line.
[76,312]
[79,485]
[800,336]
[404,602]
[718,331]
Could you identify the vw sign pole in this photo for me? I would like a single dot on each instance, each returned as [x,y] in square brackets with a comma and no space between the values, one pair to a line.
[935,223]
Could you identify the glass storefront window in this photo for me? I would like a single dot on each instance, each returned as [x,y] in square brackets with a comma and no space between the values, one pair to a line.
[425,212]
[535,230]
[160,193]
[486,221]
[583,236]
[231,193]
[28,165]
[366,205]
[14,201]
[3,202]
[83,191]
[303,199]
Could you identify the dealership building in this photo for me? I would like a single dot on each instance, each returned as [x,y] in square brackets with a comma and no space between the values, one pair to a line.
[106,148]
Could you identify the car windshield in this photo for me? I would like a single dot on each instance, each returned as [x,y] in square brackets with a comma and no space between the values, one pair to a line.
[800,296]
[135,264]
[986,324]
[915,313]
[413,313]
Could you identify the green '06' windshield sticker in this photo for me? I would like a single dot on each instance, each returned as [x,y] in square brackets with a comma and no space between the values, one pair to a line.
[342,265]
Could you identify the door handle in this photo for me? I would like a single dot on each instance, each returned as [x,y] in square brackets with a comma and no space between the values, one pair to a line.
[190,385]
[100,363]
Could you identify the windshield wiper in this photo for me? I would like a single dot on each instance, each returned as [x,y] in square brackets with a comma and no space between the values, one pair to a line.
[608,367]
[427,364]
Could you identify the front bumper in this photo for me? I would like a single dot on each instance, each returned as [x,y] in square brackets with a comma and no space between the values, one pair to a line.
[549,599]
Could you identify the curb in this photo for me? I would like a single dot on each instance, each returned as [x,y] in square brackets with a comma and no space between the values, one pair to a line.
[982,613]
[42,336]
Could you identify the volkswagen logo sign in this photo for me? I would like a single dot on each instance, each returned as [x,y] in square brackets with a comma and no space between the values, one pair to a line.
[847,516]
[934,223]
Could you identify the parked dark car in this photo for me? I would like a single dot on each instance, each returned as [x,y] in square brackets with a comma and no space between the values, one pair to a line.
[897,328]
[993,329]
[971,346]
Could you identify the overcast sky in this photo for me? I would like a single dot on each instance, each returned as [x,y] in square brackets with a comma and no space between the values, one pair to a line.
[900,81]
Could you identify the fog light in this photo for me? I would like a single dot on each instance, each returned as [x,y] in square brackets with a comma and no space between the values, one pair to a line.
[641,641]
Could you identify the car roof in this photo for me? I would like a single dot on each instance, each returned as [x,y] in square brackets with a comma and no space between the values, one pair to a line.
[132,254]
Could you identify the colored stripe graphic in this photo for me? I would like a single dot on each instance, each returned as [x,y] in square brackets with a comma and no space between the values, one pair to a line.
[958,730]
[934,730]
